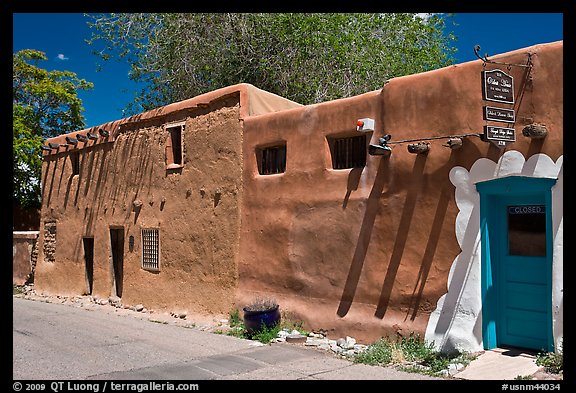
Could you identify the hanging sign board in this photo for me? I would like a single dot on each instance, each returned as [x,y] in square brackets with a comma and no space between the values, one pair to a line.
[500,136]
[499,114]
[497,86]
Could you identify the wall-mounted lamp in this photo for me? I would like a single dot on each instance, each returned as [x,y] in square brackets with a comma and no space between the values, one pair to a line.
[381,149]
[71,141]
[103,132]
[535,131]
[419,148]
[365,125]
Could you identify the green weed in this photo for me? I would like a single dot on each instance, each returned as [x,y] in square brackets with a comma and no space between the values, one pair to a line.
[417,355]
[17,290]
[552,362]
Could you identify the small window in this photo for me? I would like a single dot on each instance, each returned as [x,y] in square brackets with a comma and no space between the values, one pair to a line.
[75,160]
[151,249]
[271,159]
[349,152]
[527,230]
[174,156]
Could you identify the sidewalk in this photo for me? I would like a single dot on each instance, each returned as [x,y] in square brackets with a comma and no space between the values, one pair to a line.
[286,360]
[503,364]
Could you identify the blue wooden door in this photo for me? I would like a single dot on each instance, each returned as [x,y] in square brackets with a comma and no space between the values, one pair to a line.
[521,275]
[516,243]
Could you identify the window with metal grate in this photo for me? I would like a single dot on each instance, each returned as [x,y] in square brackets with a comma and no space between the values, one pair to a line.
[271,159]
[348,152]
[151,249]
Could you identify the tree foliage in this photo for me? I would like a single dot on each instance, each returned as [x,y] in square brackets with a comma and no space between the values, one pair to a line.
[44,104]
[305,57]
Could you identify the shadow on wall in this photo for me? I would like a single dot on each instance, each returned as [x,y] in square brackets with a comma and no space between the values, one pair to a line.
[381,179]
[432,243]
[372,207]
[353,182]
[401,235]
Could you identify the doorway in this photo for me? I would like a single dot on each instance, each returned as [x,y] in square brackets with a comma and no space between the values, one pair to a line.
[516,238]
[117,258]
[88,243]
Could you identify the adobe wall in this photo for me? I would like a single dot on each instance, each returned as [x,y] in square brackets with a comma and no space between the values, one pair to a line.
[24,256]
[369,250]
[125,184]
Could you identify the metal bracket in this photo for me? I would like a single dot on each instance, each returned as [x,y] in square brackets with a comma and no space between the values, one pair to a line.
[486,60]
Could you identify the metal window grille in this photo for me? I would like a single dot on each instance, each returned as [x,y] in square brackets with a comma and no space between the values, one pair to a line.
[349,152]
[272,160]
[151,249]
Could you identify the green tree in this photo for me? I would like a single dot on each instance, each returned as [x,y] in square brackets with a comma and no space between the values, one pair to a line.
[44,104]
[306,57]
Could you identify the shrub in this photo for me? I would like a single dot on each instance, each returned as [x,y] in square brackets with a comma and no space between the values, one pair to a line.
[17,290]
[265,334]
[377,354]
[552,362]
[421,356]
[234,318]
[261,304]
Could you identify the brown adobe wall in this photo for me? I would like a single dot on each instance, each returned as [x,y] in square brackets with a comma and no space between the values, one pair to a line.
[196,209]
[24,254]
[368,252]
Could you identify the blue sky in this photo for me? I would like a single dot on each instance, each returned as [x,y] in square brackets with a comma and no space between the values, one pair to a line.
[62,37]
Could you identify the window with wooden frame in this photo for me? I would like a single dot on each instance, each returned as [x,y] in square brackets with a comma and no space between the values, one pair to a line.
[271,159]
[151,249]
[174,145]
[348,152]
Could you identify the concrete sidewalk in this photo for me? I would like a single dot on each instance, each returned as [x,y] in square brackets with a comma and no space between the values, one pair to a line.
[500,364]
[205,355]
[280,361]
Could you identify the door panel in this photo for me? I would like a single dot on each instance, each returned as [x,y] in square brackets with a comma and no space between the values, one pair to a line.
[117,251]
[522,279]
[88,243]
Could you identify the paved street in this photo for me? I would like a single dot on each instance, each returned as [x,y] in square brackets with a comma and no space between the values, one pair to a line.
[63,342]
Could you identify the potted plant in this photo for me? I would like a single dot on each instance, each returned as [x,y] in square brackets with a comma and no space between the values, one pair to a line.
[261,312]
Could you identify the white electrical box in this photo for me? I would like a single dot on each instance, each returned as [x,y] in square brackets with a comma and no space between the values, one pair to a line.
[365,125]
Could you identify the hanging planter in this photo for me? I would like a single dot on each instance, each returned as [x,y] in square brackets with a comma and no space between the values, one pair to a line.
[419,148]
[260,314]
[535,131]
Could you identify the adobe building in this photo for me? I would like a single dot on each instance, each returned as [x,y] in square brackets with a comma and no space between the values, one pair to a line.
[431,206]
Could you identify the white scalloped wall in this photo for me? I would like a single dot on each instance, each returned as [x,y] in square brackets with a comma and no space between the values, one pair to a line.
[456,323]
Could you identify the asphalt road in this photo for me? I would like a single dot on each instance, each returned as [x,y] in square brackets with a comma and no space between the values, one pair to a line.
[62,342]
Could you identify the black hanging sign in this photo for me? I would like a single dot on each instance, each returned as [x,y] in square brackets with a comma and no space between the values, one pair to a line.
[500,136]
[497,86]
[499,114]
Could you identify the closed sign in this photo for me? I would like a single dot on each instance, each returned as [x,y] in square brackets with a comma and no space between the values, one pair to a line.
[527,209]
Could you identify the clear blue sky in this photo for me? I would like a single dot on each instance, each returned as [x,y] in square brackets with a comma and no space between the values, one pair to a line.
[62,37]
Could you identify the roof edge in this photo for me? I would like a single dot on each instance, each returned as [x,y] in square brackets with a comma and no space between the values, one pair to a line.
[253,102]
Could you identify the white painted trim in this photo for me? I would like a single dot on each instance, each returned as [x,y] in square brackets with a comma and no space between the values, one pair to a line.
[456,323]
